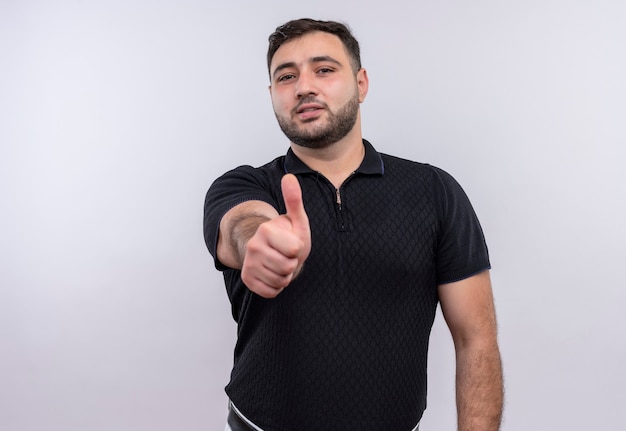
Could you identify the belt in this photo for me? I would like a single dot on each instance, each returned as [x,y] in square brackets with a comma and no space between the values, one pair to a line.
[236,423]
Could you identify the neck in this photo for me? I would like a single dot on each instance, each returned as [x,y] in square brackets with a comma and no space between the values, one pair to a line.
[337,161]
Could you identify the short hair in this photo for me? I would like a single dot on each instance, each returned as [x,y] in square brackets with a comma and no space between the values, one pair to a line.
[299,27]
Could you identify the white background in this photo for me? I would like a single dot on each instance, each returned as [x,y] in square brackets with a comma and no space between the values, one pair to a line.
[115,117]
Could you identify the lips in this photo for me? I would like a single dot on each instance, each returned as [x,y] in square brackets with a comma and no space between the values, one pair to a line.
[309,111]
[308,107]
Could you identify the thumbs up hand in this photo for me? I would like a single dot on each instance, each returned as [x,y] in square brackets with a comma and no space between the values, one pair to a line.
[276,252]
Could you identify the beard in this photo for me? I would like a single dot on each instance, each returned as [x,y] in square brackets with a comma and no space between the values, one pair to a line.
[338,125]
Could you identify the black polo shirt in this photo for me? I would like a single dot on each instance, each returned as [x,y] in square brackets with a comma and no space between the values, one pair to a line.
[345,345]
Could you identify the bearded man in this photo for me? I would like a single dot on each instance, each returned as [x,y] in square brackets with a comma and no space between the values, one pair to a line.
[335,257]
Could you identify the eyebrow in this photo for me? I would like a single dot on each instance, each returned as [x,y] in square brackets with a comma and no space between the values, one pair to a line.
[318,59]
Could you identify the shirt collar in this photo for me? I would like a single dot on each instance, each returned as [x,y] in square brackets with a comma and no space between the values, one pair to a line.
[372,163]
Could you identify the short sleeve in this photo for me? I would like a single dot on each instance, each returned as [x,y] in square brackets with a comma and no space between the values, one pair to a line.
[461,248]
[239,185]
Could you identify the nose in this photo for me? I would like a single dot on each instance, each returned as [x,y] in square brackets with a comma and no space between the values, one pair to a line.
[306,85]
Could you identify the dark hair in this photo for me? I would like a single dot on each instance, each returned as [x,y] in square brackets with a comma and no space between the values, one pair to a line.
[299,27]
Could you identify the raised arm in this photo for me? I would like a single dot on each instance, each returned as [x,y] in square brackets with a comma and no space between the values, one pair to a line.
[469,311]
[269,248]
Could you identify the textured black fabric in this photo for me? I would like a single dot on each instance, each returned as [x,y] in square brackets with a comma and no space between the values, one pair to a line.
[346,343]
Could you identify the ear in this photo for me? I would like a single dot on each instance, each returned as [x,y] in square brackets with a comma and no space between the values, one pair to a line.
[362,82]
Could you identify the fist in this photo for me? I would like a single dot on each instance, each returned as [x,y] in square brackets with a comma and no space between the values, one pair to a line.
[276,252]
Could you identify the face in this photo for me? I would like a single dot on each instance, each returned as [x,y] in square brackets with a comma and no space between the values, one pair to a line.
[315,92]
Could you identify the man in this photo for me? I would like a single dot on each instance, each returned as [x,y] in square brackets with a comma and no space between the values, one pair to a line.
[335,257]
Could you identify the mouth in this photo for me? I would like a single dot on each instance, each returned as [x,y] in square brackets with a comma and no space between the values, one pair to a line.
[308,107]
[309,110]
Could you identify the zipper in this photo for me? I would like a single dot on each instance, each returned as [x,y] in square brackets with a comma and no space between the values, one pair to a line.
[340,213]
[341,221]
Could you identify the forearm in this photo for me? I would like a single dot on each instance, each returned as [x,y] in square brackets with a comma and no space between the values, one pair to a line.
[237,227]
[242,229]
[479,388]
[269,248]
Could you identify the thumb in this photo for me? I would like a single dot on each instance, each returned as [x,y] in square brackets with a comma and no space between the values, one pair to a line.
[292,194]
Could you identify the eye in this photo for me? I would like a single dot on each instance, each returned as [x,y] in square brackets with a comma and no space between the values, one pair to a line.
[286,77]
[325,70]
